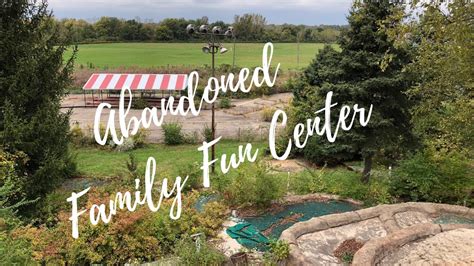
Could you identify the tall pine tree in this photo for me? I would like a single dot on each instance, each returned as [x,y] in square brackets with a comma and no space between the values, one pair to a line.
[33,79]
[367,70]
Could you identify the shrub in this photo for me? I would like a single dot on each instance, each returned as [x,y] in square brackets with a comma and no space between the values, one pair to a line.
[446,178]
[207,133]
[172,133]
[132,166]
[263,90]
[140,138]
[133,142]
[130,237]
[190,254]
[210,221]
[139,103]
[127,145]
[90,140]
[191,138]
[194,174]
[78,137]
[280,250]
[225,103]
[344,183]
[254,185]
[267,114]
[49,208]
[13,250]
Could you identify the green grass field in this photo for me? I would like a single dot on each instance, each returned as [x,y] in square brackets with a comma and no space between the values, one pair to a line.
[115,55]
[94,162]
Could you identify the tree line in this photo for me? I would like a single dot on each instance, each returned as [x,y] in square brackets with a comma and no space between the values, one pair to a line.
[247,28]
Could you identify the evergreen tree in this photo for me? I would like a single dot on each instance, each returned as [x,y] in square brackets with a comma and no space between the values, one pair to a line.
[368,70]
[33,79]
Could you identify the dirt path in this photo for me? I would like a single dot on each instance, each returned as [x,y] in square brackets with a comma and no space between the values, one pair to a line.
[243,121]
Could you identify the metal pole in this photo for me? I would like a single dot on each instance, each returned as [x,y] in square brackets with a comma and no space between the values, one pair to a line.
[213,127]
[298,55]
[233,55]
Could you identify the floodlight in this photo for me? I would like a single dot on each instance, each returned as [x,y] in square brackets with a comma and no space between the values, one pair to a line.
[203,29]
[223,50]
[229,32]
[206,49]
[190,29]
[216,30]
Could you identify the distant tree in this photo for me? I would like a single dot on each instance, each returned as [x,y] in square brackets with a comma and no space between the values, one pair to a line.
[33,80]
[108,28]
[163,33]
[249,27]
[177,27]
[356,76]
[132,30]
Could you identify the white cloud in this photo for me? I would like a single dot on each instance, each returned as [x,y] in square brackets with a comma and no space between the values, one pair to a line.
[276,11]
[227,4]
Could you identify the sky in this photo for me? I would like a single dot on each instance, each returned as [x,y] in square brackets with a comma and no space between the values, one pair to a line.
[308,12]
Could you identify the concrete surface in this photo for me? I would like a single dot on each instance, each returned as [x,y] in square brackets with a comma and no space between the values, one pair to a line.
[243,121]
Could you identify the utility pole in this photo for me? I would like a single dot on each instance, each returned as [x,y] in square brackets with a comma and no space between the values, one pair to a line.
[213,47]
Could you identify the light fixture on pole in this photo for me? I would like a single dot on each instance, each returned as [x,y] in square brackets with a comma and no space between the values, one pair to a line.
[213,47]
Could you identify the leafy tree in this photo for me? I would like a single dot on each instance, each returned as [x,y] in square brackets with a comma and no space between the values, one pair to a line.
[163,33]
[441,40]
[249,26]
[109,28]
[356,75]
[252,28]
[33,79]
[132,31]
[177,27]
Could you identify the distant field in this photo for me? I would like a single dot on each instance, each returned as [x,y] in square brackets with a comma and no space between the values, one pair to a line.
[190,54]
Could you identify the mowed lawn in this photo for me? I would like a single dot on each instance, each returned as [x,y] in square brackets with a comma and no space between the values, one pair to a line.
[113,55]
[170,160]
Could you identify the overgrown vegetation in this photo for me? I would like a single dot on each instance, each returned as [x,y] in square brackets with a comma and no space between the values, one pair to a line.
[172,133]
[278,253]
[192,253]
[252,185]
[426,177]
[225,103]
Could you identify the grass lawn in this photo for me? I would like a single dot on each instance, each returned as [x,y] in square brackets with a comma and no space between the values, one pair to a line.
[95,162]
[113,55]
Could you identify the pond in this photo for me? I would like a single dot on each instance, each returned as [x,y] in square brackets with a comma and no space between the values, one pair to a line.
[273,224]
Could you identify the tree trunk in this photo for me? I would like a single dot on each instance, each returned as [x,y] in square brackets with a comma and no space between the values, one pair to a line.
[367,168]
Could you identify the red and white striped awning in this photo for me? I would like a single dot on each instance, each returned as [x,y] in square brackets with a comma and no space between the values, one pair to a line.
[166,82]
